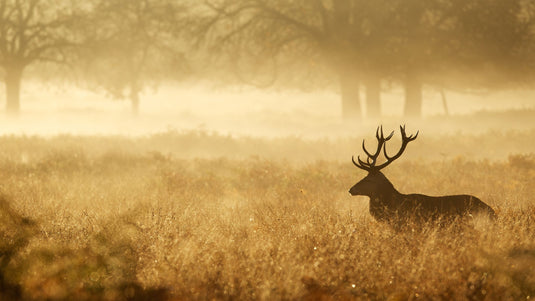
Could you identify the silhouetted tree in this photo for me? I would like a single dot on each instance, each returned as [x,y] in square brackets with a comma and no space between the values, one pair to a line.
[456,44]
[31,31]
[442,43]
[290,33]
[130,44]
[420,42]
[498,37]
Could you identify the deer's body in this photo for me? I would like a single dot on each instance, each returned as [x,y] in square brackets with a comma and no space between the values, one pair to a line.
[432,206]
[386,203]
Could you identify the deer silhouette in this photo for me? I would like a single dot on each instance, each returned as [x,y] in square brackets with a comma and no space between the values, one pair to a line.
[387,204]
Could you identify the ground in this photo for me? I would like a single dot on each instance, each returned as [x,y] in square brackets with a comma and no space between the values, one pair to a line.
[156,218]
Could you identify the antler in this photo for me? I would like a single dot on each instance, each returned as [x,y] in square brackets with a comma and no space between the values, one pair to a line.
[371,161]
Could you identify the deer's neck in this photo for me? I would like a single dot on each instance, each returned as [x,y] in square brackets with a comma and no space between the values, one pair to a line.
[384,199]
[387,197]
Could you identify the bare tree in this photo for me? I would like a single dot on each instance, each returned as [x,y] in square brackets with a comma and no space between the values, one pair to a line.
[295,33]
[455,44]
[409,42]
[31,31]
[131,44]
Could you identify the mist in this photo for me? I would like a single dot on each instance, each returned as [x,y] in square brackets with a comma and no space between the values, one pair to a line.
[50,110]
[267,150]
[252,68]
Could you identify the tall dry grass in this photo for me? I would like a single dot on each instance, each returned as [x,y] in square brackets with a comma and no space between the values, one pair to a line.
[104,219]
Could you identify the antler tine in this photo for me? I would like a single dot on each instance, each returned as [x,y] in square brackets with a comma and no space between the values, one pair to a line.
[353,160]
[415,136]
[404,141]
[382,135]
[380,140]
[361,164]
[368,165]
[389,136]
[377,132]
[404,135]
[365,150]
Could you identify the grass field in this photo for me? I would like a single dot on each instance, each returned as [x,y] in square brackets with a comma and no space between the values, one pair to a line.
[200,216]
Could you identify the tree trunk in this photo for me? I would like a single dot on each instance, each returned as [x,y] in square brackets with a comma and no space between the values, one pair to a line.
[373,97]
[13,80]
[349,91]
[413,96]
[134,100]
[444,102]
[342,13]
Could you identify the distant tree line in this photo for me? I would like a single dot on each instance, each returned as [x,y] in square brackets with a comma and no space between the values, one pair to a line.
[124,46]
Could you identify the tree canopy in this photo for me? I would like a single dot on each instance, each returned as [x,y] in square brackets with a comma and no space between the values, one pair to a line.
[31,31]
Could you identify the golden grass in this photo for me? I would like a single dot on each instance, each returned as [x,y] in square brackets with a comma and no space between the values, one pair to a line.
[102,218]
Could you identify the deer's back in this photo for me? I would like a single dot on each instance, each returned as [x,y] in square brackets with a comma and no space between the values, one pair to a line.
[443,205]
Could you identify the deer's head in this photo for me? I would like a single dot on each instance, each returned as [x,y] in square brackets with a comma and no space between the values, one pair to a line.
[375,183]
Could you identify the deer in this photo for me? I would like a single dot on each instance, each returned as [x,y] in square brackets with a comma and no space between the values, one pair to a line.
[389,205]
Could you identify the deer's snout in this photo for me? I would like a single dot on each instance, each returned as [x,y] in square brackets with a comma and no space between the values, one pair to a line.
[353,190]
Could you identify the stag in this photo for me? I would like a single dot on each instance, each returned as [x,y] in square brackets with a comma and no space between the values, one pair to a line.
[387,204]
